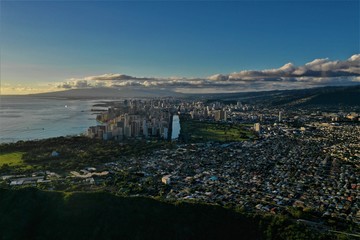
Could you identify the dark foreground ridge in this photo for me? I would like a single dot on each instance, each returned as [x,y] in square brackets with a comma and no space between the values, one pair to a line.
[29,213]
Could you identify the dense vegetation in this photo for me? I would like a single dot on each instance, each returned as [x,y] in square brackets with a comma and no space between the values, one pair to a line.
[320,97]
[347,97]
[33,214]
[74,153]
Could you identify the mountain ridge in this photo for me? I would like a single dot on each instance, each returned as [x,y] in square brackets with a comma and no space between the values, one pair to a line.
[320,96]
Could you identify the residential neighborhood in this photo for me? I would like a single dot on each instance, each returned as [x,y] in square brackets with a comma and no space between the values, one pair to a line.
[301,159]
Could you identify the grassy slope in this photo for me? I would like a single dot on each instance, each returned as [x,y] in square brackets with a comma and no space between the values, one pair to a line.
[220,132]
[12,159]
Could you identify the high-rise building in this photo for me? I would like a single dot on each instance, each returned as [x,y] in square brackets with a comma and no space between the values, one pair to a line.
[226,115]
[222,115]
[127,131]
[280,116]
[154,131]
[257,127]
[238,104]
[135,128]
[261,118]
[126,120]
[205,113]
[165,132]
[217,115]
[145,128]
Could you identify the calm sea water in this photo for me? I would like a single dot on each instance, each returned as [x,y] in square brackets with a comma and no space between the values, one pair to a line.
[25,118]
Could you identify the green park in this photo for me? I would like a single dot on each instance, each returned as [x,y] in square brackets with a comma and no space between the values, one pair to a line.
[203,131]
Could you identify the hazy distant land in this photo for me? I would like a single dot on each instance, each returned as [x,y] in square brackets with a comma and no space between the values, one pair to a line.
[343,95]
[110,93]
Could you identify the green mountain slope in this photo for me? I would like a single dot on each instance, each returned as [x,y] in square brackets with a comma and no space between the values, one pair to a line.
[33,214]
[327,96]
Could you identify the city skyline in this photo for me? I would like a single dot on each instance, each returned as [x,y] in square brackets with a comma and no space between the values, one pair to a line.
[183,46]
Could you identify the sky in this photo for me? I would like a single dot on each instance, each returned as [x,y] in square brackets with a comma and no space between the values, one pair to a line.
[57,45]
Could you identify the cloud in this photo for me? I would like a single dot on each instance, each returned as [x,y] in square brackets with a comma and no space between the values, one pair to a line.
[319,72]
[6,89]
[76,84]
[316,68]
[108,77]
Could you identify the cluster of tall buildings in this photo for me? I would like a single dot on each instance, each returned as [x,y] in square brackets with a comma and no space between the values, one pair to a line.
[134,119]
[257,126]
[153,118]
[214,111]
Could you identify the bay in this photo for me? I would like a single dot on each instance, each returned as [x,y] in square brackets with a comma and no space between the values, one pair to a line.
[28,118]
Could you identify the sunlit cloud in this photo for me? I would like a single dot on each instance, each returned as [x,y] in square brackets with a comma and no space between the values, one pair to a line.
[319,72]
[317,68]
[21,90]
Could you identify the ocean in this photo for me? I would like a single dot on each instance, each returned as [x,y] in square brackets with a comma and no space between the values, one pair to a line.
[28,118]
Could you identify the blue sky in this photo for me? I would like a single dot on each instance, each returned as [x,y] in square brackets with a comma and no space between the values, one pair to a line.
[44,42]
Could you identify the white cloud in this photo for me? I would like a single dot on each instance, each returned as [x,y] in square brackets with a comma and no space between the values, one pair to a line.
[319,72]
[316,68]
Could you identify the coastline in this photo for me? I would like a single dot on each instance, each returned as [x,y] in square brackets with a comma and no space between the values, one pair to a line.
[24,117]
